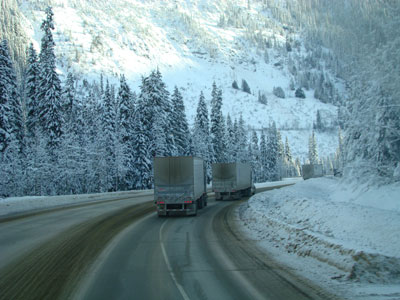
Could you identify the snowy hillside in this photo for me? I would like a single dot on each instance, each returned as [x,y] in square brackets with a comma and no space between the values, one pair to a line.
[193,43]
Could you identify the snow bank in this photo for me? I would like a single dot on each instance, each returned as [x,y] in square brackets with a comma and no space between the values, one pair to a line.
[353,231]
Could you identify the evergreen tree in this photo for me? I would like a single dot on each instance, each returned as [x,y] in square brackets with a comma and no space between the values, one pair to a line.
[241,141]
[142,147]
[5,98]
[299,93]
[49,94]
[124,151]
[339,153]
[288,153]
[201,141]
[255,158]
[272,160]
[68,95]
[108,141]
[217,124]
[31,94]
[11,126]
[319,125]
[153,92]
[281,155]
[263,157]
[312,149]
[385,151]
[235,85]
[245,87]
[167,113]
[179,124]
[230,140]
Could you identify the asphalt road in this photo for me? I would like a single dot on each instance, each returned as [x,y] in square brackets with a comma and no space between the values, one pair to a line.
[124,251]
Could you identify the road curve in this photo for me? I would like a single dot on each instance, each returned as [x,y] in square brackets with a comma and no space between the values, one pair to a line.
[203,257]
[130,253]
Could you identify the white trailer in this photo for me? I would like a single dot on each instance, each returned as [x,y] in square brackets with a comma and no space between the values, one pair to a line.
[179,185]
[232,180]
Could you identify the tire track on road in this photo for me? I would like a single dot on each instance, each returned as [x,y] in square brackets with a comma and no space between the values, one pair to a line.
[54,269]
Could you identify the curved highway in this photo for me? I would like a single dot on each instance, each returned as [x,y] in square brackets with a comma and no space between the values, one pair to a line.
[127,252]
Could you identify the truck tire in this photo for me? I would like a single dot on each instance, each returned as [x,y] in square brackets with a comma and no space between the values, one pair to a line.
[200,203]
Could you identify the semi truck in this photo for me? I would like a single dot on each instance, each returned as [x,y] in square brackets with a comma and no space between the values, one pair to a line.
[312,171]
[179,185]
[232,180]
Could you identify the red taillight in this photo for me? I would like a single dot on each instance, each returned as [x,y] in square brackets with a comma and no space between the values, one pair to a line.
[160,202]
[189,201]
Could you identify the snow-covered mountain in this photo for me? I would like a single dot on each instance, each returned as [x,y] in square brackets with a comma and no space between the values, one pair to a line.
[193,43]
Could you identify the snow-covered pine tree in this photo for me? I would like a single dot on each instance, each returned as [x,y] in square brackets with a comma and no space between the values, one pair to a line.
[263,157]
[298,166]
[68,95]
[201,141]
[288,152]
[281,155]
[142,145]
[230,140]
[272,160]
[288,160]
[70,178]
[319,125]
[223,139]
[338,164]
[32,76]
[124,149]
[179,124]
[153,92]
[49,94]
[387,150]
[241,139]
[95,153]
[164,118]
[31,91]
[217,124]
[312,149]
[255,158]
[5,98]
[109,138]
[11,127]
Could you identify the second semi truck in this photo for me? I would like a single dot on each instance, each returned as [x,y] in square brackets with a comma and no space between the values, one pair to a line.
[179,185]
[232,180]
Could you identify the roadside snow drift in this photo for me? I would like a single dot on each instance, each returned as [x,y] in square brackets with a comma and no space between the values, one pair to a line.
[355,231]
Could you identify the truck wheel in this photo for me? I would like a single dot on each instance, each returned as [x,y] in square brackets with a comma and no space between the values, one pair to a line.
[200,203]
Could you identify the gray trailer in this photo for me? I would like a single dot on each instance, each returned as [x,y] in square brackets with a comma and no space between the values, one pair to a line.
[179,185]
[232,180]
[312,171]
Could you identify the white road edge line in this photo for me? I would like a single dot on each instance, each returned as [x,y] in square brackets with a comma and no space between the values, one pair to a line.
[180,288]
